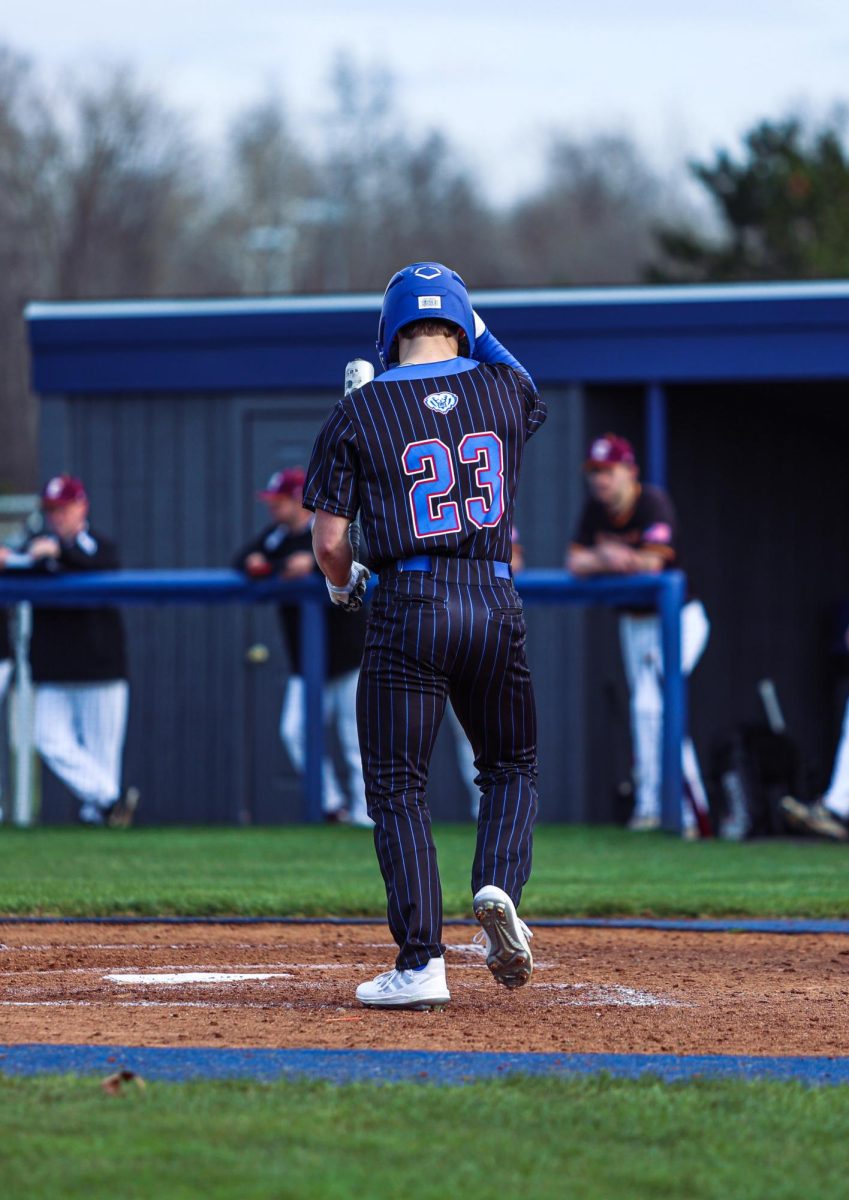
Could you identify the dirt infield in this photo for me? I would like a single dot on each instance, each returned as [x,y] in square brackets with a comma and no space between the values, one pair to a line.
[593,991]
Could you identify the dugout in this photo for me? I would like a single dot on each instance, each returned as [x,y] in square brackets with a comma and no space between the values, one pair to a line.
[174,412]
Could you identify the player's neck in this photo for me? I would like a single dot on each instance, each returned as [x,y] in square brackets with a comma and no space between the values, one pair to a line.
[625,502]
[426,349]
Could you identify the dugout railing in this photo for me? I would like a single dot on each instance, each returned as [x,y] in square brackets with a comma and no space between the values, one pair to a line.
[666,591]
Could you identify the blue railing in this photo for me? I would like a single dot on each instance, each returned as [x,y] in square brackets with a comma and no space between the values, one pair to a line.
[666,591]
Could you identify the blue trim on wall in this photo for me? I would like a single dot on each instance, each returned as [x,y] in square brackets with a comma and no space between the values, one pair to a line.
[782,925]
[621,335]
[393,1066]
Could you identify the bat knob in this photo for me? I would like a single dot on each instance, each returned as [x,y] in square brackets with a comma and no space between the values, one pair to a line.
[358,372]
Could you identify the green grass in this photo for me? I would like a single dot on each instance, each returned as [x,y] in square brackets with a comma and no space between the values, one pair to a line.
[593,1138]
[315,871]
[584,1137]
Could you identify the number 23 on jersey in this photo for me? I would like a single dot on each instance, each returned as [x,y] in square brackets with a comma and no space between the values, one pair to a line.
[434,513]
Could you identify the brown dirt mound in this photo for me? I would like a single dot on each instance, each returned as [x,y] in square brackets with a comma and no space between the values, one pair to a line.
[593,990]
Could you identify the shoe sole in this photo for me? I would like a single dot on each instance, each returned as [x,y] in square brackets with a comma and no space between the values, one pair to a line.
[800,818]
[410,1006]
[125,810]
[509,959]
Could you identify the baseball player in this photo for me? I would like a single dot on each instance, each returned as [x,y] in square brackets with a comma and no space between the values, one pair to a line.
[627,528]
[285,547]
[429,453]
[78,663]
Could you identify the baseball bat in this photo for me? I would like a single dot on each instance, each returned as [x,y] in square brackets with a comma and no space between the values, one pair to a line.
[358,372]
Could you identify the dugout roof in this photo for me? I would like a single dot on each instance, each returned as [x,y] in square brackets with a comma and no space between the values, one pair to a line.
[685,334]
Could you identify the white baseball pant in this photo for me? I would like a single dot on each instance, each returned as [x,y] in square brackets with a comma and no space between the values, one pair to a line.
[79,731]
[339,706]
[6,668]
[642,654]
[837,796]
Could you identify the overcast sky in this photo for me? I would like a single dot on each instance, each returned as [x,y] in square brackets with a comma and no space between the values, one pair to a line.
[495,76]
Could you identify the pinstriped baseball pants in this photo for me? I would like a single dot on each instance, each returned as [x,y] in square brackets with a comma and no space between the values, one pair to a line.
[457,632]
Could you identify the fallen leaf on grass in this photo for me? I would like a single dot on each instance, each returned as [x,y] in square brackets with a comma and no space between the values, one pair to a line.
[113,1085]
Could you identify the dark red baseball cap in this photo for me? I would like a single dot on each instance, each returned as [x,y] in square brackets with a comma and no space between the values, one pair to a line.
[608,450]
[284,483]
[62,489]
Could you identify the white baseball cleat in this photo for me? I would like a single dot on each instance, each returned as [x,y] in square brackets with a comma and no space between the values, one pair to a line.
[644,823]
[422,989]
[507,939]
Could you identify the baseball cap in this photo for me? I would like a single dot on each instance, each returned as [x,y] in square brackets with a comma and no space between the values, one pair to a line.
[62,489]
[284,483]
[608,450]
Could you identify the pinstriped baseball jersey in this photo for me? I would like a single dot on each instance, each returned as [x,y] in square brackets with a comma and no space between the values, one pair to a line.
[430,457]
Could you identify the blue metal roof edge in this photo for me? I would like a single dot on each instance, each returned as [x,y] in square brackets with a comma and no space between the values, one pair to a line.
[39,310]
[613,335]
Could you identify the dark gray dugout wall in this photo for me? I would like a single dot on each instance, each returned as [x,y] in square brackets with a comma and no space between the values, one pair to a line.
[175,413]
[173,478]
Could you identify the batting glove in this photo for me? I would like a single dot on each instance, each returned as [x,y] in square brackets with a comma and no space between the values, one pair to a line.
[350,597]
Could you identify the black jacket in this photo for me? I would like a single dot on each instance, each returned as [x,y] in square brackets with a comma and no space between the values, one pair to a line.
[78,645]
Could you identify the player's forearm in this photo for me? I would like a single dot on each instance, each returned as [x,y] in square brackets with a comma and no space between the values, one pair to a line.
[648,562]
[332,546]
[581,560]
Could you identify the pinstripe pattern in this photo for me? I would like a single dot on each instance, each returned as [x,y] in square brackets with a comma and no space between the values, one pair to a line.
[431,637]
[454,632]
[356,462]
[79,731]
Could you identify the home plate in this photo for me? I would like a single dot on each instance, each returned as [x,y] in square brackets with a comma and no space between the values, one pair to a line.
[197,977]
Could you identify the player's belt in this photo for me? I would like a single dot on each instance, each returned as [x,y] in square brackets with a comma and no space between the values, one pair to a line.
[424,562]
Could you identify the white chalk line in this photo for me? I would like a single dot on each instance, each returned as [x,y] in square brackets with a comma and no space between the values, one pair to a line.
[109,1004]
[182,977]
[584,995]
[155,947]
[211,967]
[611,995]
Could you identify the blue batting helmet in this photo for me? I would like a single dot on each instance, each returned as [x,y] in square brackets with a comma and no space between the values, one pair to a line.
[423,291]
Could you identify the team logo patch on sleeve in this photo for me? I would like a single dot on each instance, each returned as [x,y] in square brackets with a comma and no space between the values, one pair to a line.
[441,402]
[659,533]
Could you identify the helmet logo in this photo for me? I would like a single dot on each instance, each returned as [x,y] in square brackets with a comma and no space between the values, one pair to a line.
[430,302]
[441,402]
[427,272]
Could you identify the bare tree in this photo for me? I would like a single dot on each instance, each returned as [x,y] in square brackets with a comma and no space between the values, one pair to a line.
[127,193]
[395,197]
[28,150]
[270,204]
[592,220]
